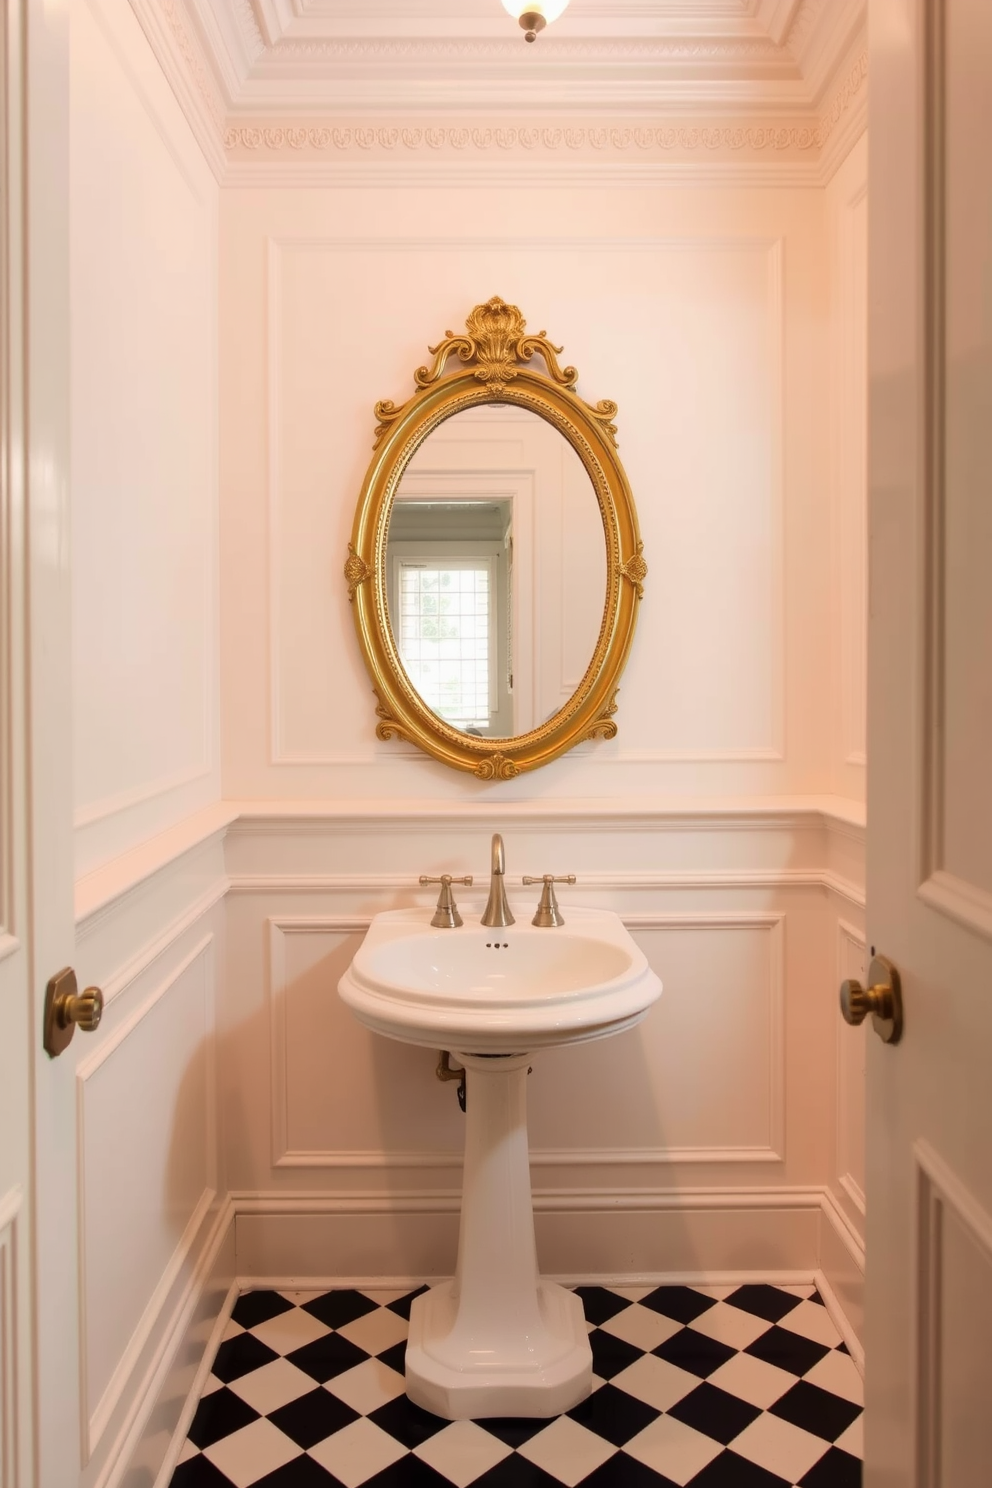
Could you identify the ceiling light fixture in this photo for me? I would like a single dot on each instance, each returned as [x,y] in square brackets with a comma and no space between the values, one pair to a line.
[534,15]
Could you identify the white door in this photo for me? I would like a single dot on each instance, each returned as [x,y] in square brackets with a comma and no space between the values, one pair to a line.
[929,1240]
[39,1390]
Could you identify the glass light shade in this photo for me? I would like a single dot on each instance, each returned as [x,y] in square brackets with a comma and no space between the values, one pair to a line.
[549,9]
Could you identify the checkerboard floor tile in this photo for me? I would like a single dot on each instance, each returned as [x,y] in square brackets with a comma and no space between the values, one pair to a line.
[715,1387]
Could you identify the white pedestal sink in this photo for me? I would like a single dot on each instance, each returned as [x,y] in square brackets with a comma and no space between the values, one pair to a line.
[497,1340]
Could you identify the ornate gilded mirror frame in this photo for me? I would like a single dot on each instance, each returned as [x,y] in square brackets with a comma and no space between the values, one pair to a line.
[495,354]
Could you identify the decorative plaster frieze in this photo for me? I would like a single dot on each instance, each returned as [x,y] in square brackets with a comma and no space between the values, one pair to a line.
[687,137]
[691,139]
[174,15]
[424,50]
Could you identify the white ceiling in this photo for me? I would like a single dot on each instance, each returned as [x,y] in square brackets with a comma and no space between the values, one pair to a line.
[435,59]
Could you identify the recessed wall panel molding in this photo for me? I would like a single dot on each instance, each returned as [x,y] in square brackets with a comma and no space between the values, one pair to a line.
[146,1173]
[143,375]
[956,866]
[10,1324]
[852,457]
[711,511]
[954,1327]
[851,1074]
[702,1079]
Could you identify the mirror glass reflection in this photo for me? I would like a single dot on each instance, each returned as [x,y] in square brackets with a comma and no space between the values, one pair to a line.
[496,571]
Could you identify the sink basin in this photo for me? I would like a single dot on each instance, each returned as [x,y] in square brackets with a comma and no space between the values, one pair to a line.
[488,991]
[498,1340]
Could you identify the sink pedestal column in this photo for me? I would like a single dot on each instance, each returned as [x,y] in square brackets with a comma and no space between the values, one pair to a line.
[497,1341]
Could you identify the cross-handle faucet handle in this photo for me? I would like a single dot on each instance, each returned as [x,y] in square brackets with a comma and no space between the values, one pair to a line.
[446,916]
[548,912]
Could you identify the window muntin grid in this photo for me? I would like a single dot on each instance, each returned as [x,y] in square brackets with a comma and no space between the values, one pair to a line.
[447,636]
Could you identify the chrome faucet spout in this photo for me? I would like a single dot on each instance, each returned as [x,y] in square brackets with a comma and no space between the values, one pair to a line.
[497,911]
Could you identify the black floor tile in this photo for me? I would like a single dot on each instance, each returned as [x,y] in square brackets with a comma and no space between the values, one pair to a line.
[767,1302]
[787,1350]
[408,1472]
[614,1415]
[517,1472]
[402,1305]
[253,1308]
[730,1471]
[835,1469]
[694,1351]
[408,1423]
[199,1472]
[600,1304]
[816,1410]
[683,1304]
[313,1418]
[302,1472]
[219,1414]
[241,1355]
[514,1430]
[326,1357]
[395,1357]
[621,1471]
[715,1413]
[610,1355]
[337,1308]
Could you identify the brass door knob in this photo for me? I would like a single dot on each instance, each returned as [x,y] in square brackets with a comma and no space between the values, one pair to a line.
[67,1009]
[882,998]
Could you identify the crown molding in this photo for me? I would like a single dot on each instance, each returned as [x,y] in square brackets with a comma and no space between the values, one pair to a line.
[785,141]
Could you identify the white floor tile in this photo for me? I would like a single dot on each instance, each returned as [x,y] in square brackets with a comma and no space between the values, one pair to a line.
[275,1384]
[250,1453]
[803,1289]
[376,1330]
[641,1326]
[462,1452]
[656,1382]
[719,1292]
[673,1449]
[382,1296]
[367,1386]
[298,1298]
[730,1325]
[188,1451]
[812,1321]
[632,1293]
[290,1330]
[357,1452]
[853,1439]
[780,1447]
[753,1380]
[838,1373]
[213,1383]
[567,1451]
[232,1330]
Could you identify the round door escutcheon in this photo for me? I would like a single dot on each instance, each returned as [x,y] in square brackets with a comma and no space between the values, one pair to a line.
[66,1009]
[882,998]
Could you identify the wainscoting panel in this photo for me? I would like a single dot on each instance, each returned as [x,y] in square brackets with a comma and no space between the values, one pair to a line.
[341,1095]
[143,256]
[851,963]
[147,1172]
[954,1327]
[702,1078]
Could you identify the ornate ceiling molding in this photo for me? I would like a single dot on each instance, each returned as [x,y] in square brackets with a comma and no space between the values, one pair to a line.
[714,103]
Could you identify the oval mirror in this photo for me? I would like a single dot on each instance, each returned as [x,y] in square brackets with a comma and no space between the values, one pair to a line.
[495,571]
[495,565]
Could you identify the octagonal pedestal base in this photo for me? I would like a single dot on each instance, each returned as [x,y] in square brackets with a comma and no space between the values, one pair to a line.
[543,1373]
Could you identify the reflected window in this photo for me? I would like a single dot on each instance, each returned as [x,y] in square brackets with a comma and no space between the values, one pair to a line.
[446,636]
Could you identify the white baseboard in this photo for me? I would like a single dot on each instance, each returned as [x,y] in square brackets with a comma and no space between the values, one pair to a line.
[310,1238]
[841,1276]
